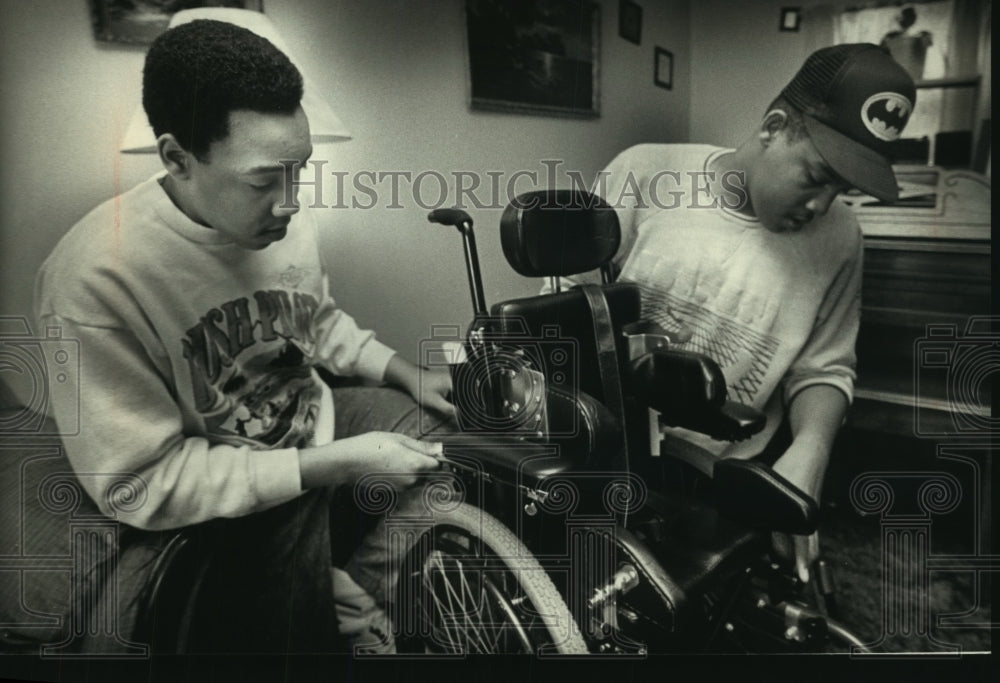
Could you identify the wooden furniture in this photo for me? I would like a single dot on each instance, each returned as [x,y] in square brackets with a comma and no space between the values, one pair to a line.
[926,353]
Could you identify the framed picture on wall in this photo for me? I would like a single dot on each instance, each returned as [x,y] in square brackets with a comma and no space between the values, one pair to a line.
[140,21]
[663,68]
[534,58]
[630,21]
[791,18]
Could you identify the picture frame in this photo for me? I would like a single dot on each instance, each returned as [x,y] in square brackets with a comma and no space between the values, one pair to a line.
[534,58]
[663,68]
[791,19]
[630,21]
[139,22]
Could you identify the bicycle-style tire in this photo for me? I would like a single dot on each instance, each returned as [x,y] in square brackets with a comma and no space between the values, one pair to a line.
[547,605]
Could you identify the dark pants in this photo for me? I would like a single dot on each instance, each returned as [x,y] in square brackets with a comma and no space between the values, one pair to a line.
[267,585]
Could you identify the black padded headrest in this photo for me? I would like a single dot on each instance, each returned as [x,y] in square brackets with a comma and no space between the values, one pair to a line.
[558,232]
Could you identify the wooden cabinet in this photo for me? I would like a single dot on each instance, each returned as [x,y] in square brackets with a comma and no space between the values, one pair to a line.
[926,351]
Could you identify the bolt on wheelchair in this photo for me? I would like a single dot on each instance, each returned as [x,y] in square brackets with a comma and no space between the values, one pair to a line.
[562,523]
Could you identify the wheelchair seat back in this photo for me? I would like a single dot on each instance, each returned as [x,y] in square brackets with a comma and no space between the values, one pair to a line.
[565,233]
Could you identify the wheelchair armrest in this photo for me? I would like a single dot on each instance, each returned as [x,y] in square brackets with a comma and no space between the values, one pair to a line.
[645,336]
[586,434]
[689,390]
[756,495]
[736,422]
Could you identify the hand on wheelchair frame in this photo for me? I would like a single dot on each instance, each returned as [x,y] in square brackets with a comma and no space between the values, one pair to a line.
[533,402]
[801,550]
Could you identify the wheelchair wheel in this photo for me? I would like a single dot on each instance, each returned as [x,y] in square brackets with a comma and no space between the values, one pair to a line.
[469,586]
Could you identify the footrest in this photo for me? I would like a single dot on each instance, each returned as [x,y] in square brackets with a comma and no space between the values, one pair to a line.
[757,496]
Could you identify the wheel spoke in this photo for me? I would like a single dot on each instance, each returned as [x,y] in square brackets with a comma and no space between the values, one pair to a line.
[443,610]
[472,601]
[455,613]
[471,630]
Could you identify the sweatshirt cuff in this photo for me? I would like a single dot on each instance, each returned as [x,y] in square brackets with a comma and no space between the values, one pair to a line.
[845,384]
[276,476]
[373,359]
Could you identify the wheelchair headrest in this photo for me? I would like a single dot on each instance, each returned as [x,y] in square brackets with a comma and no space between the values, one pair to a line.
[558,232]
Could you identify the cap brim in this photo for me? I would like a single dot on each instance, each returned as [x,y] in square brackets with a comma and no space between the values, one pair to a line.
[862,167]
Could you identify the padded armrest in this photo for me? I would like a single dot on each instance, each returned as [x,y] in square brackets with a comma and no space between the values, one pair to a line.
[756,495]
[689,390]
[507,459]
[674,381]
[585,432]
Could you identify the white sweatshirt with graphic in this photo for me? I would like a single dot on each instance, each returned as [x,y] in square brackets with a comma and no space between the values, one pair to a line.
[196,384]
[777,311]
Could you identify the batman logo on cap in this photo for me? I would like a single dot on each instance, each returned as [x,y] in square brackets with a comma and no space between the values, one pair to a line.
[885,113]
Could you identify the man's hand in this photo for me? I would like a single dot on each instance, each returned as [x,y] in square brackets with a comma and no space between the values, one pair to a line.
[803,464]
[816,413]
[804,550]
[435,387]
[428,386]
[345,461]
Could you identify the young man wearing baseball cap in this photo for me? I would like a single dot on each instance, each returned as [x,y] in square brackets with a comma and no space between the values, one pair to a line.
[756,264]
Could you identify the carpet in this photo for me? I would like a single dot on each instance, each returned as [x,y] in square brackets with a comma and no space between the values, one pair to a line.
[906,531]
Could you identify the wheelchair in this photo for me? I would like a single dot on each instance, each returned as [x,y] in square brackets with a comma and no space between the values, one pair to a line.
[564,524]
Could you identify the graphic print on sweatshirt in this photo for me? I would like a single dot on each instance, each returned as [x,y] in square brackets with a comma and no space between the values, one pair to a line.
[728,342]
[250,379]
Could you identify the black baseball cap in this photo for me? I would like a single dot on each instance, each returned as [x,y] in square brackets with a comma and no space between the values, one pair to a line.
[855,100]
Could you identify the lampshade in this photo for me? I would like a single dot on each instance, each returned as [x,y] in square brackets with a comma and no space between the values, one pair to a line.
[323,123]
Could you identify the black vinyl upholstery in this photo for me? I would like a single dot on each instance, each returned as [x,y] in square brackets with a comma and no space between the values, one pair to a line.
[558,232]
[555,233]
[567,314]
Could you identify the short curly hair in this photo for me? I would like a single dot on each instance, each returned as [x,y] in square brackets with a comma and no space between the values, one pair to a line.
[197,73]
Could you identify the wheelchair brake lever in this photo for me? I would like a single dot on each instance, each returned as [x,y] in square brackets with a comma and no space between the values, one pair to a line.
[449,465]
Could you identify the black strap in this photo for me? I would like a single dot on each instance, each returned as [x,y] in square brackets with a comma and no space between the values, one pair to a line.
[607,360]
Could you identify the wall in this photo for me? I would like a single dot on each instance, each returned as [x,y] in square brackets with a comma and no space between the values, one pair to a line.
[65,102]
[739,65]
[396,75]
[742,63]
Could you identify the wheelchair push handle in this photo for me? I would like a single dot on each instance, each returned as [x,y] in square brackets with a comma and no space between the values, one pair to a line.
[456,217]
[461,220]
